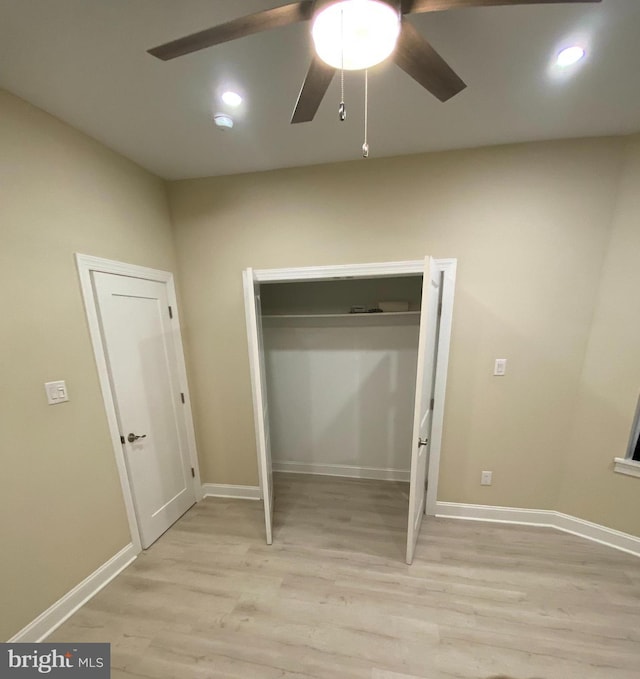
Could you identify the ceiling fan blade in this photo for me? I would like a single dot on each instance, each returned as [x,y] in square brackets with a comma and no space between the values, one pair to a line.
[236,28]
[416,57]
[417,6]
[315,85]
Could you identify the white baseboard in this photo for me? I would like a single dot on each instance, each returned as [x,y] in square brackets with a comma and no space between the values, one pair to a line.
[55,615]
[227,490]
[344,470]
[594,531]
[527,517]
[542,517]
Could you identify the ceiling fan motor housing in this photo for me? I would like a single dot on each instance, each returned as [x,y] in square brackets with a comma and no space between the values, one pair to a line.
[319,5]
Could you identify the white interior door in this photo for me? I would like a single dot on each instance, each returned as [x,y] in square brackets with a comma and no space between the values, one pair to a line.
[259,389]
[142,361]
[423,411]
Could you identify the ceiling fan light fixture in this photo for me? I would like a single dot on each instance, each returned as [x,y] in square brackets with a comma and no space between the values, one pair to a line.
[355,34]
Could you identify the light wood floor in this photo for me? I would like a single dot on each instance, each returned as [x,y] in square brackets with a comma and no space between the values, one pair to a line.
[332,597]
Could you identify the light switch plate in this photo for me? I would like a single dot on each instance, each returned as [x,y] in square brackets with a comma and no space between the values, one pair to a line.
[56,392]
[500,367]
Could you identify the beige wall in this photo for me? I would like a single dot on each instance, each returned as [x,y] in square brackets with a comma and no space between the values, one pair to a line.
[530,226]
[61,503]
[610,380]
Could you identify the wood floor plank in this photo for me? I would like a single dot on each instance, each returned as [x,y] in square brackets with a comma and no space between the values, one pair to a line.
[333,599]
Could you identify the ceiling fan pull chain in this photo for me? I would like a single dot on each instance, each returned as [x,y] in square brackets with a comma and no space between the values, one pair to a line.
[365,146]
[342,110]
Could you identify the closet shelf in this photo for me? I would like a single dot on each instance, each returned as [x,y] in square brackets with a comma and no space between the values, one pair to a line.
[384,318]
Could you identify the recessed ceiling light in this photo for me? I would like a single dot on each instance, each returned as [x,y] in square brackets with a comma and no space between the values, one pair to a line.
[570,55]
[223,121]
[231,98]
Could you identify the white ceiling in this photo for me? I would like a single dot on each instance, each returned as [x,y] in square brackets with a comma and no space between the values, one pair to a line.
[84,61]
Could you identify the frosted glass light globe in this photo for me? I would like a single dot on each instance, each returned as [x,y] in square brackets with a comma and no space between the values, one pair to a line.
[355,34]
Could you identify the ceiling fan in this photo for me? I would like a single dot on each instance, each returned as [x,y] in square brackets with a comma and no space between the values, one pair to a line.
[411,52]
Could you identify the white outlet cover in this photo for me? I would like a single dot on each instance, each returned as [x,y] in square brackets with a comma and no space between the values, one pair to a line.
[56,392]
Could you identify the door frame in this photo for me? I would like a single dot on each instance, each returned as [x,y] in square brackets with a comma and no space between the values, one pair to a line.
[448,267]
[87,264]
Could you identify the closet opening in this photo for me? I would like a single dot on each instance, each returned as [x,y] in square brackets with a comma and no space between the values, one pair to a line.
[345,374]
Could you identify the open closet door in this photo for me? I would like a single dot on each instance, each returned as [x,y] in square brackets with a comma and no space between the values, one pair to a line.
[423,412]
[259,388]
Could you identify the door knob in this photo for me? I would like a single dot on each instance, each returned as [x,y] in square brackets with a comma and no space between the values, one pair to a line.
[133,437]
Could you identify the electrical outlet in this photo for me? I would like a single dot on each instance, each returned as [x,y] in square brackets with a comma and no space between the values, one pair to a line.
[486,478]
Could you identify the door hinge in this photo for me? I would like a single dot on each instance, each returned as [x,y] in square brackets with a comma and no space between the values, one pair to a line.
[432,403]
[193,472]
[122,440]
[182,397]
[170,312]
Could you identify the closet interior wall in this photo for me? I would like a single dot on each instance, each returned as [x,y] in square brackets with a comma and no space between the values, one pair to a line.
[341,386]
